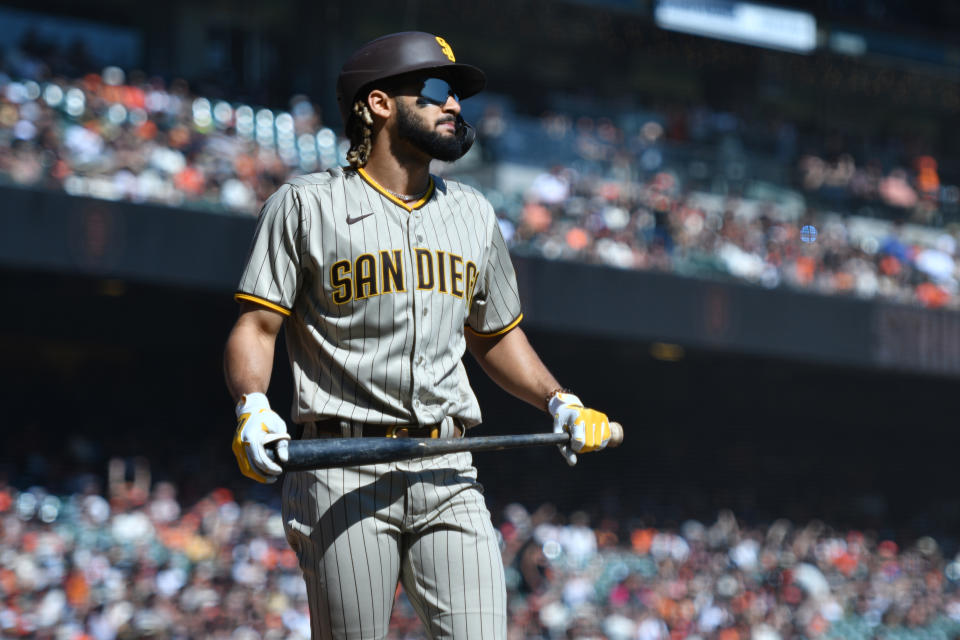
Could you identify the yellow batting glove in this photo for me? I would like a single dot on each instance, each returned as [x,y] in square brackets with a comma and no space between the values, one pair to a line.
[257,427]
[589,429]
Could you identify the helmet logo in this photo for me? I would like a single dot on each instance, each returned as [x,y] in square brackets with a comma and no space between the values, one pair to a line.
[447,50]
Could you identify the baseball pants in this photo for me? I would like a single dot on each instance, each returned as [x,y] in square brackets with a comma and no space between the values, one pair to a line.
[358,530]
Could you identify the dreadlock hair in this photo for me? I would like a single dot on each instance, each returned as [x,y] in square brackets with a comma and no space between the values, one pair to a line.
[360,131]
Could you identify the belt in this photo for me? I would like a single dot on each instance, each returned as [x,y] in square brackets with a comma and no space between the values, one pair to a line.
[335,427]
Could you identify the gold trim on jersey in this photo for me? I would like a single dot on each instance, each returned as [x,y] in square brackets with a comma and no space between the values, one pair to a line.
[263,303]
[495,333]
[394,199]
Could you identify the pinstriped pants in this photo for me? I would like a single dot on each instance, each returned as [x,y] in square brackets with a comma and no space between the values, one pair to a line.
[358,530]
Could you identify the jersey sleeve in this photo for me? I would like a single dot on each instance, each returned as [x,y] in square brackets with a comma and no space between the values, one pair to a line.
[272,274]
[495,305]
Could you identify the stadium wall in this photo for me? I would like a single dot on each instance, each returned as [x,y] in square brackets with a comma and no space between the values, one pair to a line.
[57,233]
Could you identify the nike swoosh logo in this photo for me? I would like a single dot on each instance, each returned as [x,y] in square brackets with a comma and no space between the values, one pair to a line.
[358,218]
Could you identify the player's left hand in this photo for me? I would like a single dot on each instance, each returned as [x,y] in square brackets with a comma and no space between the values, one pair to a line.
[589,429]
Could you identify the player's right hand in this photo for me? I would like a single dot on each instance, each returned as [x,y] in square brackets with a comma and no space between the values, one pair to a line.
[258,426]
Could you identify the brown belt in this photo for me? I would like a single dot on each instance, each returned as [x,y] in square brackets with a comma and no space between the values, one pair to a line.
[334,428]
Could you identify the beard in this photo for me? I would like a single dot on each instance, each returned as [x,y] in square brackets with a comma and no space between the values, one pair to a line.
[413,129]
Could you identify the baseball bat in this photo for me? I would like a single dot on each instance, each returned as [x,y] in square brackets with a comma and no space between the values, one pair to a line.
[325,453]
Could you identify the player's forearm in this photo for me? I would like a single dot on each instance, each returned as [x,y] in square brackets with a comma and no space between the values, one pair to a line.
[248,356]
[512,363]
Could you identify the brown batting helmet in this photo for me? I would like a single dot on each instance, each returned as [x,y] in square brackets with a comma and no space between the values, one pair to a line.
[399,53]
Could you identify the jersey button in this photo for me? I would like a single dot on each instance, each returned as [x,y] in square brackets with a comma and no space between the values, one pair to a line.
[425,311]
[419,238]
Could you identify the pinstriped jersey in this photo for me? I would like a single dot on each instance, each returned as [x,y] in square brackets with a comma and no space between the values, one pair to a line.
[378,293]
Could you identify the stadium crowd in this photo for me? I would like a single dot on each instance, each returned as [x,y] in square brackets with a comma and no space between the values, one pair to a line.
[136,139]
[620,195]
[657,225]
[137,563]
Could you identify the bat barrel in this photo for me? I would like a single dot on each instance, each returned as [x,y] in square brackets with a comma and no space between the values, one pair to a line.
[348,452]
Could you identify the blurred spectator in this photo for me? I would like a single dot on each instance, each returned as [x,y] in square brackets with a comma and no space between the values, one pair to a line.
[116,137]
[79,567]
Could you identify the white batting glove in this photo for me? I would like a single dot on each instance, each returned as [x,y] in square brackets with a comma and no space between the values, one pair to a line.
[257,426]
[589,430]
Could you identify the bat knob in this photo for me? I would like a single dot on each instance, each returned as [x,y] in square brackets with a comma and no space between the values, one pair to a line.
[616,435]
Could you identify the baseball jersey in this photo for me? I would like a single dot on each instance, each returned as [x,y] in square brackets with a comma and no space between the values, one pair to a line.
[377,294]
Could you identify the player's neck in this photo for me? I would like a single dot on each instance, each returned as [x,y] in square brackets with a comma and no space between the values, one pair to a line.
[400,178]
[398,172]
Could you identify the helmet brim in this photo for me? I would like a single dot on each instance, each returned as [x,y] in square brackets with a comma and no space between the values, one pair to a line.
[466,79]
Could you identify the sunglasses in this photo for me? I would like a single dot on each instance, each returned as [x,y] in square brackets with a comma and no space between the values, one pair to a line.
[436,91]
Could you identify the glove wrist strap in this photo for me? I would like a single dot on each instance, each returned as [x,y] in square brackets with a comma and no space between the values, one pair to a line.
[547,398]
[562,398]
[250,402]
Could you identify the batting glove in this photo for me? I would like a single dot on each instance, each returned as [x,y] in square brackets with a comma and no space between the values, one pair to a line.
[589,430]
[258,426]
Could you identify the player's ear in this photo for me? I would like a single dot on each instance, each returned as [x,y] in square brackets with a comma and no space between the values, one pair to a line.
[380,103]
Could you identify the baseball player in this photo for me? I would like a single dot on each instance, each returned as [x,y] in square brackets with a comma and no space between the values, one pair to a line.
[383,275]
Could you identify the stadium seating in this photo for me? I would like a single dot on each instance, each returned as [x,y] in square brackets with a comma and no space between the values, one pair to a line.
[686,194]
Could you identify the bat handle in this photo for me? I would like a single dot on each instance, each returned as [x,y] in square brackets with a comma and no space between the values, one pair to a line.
[271,451]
